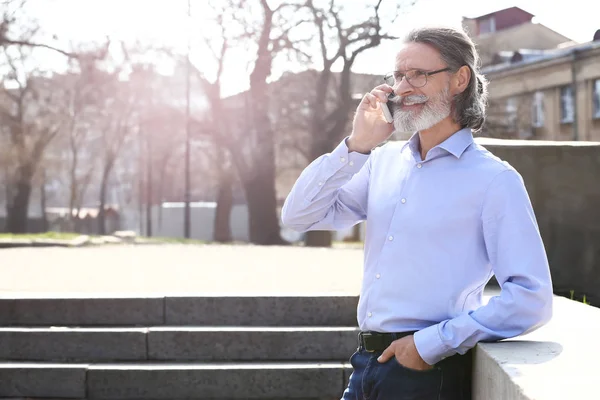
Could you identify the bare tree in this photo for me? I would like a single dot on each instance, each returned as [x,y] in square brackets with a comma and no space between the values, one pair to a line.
[339,41]
[249,138]
[82,100]
[12,34]
[254,154]
[30,117]
[16,30]
[30,106]
[117,125]
[215,124]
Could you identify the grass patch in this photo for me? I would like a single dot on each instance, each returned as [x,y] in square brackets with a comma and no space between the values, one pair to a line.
[584,300]
[72,235]
[45,235]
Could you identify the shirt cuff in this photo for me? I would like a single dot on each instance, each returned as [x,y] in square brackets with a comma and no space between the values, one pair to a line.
[349,162]
[429,345]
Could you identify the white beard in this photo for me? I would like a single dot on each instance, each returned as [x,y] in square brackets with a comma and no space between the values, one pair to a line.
[433,111]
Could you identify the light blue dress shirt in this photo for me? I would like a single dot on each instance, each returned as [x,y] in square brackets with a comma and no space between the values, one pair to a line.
[436,231]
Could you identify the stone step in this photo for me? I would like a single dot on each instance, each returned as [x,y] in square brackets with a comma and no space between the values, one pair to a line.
[308,310]
[157,381]
[177,343]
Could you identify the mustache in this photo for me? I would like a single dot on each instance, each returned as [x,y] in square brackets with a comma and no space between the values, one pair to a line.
[415,98]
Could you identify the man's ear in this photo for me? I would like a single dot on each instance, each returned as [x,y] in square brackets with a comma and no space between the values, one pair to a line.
[461,79]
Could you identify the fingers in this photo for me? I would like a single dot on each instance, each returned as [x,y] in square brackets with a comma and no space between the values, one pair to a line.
[375,96]
[387,354]
[385,87]
[370,100]
[380,94]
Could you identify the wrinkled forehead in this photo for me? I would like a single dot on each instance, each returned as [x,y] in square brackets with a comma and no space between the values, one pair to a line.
[418,56]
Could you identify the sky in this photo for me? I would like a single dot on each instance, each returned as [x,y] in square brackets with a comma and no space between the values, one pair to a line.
[166,22]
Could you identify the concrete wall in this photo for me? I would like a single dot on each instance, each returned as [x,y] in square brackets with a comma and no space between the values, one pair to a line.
[170,223]
[563,181]
[556,362]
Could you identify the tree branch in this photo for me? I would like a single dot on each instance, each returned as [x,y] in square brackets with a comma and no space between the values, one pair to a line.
[10,42]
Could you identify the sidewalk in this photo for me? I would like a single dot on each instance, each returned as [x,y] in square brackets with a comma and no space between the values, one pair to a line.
[181,269]
[240,269]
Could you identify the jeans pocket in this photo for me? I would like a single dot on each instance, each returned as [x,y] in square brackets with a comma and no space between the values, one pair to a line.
[416,371]
[402,383]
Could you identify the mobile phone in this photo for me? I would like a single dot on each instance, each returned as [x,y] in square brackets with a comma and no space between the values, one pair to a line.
[387,109]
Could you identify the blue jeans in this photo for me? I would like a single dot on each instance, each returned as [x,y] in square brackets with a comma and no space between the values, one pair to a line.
[450,379]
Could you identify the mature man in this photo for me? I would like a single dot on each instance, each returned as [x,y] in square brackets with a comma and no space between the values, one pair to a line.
[443,215]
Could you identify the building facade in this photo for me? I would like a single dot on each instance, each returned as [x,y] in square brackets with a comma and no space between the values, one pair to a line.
[551,95]
[542,85]
[510,29]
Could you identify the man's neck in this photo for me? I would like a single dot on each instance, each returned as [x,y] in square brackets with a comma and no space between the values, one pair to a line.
[429,138]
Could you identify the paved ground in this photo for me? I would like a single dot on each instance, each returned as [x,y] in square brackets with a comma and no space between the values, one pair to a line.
[163,269]
[181,268]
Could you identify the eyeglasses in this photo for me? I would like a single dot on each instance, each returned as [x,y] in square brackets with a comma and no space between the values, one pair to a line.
[415,77]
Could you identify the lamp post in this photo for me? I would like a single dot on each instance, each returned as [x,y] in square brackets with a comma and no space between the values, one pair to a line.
[187,195]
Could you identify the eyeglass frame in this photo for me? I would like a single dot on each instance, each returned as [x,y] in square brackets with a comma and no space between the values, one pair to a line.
[424,73]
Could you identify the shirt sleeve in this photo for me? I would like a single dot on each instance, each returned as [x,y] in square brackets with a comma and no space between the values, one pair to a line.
[331,193]
[518,258]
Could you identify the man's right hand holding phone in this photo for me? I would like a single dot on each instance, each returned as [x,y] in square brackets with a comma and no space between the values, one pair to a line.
[370,127]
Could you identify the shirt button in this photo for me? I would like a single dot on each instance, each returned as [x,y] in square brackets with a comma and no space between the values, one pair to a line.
[342,159]
[378,276]
[320,183]
[351,163]
[370,314]
[419,165]
[403,201]
[390,238]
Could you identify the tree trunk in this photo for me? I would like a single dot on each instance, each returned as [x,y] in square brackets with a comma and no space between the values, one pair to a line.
[264,226]
[102,206]
[355,237]
[43,203]
[72,202]
[318,239]
[74,187]
[259,182]
[16,218]
[149,197]
[222,222]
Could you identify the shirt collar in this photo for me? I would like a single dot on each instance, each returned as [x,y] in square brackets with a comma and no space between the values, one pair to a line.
[456,144]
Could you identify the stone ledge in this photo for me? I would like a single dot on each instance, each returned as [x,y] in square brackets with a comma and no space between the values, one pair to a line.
[177,310]
[558,361]
[42,380]
[223,381]
[484,141]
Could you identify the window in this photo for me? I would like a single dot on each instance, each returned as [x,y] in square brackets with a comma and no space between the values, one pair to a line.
[487,25]
[567,111]
[537,118]
[596,95]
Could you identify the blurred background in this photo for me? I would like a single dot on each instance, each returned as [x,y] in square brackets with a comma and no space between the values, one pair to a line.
[193,118]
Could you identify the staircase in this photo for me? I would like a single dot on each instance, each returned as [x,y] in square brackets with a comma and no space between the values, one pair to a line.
[176,347]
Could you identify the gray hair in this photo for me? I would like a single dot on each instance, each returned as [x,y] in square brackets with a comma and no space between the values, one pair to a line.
[457,49]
